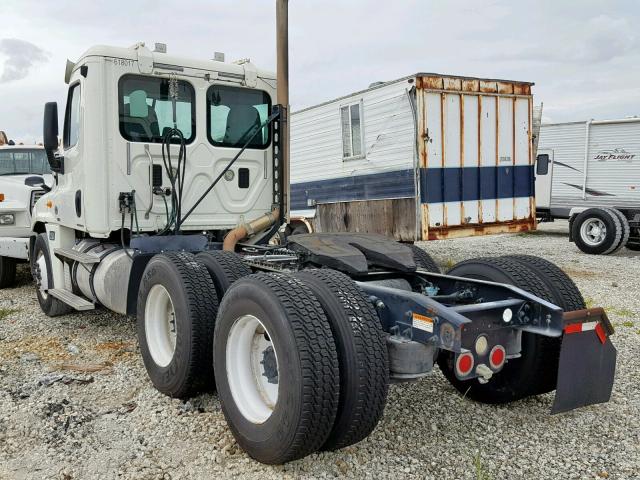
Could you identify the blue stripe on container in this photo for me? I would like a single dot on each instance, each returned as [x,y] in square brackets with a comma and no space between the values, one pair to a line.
[375,186]
[436,185]
[439,185]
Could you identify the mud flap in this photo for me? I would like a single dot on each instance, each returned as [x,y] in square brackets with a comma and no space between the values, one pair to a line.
[587,361]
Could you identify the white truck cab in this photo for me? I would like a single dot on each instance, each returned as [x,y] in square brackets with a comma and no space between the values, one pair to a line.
[24,176]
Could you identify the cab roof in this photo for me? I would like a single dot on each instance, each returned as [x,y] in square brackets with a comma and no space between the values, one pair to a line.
[167,60]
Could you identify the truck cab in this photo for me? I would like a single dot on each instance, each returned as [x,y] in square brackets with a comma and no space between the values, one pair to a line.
[119,108]
[24,177]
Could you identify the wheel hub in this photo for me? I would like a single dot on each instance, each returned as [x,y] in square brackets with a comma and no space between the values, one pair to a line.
[252,369]
[270,365]
[160,325]
[593,231]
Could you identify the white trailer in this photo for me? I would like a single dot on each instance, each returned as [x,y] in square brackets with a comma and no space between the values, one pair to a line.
[427,156]
[589,172]
[24,178]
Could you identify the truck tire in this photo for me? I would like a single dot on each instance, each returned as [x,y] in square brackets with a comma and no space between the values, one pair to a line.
[177,307]
[41,268]
[7,272]
[520,377]
[423,260]
[565,294]
[597,231]
[362,355]
[224,267]
[633,246]
[273,324]
[626,229]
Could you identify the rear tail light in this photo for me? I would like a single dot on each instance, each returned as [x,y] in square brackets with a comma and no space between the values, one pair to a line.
[464,364]
[497,356]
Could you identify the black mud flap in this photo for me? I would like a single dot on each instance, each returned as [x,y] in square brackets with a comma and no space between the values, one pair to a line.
[587,361]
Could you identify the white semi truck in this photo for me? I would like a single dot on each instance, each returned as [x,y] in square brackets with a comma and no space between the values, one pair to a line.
[589,173]
[24,178]
[172,179]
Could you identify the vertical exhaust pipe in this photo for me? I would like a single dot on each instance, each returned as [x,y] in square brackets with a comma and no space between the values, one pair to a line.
[282,93]
[282,71]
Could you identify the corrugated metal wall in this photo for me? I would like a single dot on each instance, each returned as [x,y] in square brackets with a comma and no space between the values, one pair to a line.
[476,156]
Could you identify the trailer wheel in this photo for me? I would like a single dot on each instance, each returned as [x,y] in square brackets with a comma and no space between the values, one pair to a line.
[520,377]
[565,294]
[597,231]
[635,247]
[362,355]
[224,267]
[423,260]
[626,229]
[41,270]
[276,367]
[7,272]
[177,306]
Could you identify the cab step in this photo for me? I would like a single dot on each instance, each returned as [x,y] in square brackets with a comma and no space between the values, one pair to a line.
[72,254]
[71,299]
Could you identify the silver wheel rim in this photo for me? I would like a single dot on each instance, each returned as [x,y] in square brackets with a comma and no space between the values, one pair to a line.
[252,369]
[160,325]
[42,275]
[593,231]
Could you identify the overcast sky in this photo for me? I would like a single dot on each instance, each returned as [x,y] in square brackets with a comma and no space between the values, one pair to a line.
[583,55]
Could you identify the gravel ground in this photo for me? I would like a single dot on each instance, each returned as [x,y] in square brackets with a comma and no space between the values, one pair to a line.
[75,401]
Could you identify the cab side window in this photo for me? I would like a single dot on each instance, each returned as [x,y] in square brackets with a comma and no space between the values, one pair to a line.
[72,118]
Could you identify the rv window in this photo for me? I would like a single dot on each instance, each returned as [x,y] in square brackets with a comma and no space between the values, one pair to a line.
[235,114]
[146,108]
[351,118]
[72,117]
[543,164]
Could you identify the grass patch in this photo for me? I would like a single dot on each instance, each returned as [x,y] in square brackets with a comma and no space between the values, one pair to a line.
[5,312]
[449,263]
[620,312]
[481,471]
[589,302]
[627,324]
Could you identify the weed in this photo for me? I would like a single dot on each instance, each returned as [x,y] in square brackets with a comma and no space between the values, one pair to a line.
[481,471]
[5,312]
[589,302]
[627,324]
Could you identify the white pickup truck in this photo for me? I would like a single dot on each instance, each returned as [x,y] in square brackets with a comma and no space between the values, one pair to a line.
[23,172]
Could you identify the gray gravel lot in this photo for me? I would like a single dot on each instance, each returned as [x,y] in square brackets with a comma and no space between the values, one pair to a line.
[75,401]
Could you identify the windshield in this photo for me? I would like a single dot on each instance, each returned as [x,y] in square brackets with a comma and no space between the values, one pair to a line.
[23,162]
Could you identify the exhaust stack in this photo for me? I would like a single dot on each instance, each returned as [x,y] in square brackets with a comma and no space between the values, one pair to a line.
[282,72]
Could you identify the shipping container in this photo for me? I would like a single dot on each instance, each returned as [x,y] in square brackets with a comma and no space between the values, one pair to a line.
[591,165]
[424,157]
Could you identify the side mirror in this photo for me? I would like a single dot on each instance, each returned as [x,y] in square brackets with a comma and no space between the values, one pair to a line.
[50,137]
[542,167]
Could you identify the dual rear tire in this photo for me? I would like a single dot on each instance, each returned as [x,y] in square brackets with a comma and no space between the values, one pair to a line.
[299,361]
[535,371]
[600,231]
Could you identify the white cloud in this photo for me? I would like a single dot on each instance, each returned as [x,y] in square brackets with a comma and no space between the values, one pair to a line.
[21,56]
[583,55]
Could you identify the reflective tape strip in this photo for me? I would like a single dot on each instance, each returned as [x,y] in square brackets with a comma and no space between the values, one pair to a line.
[585,327]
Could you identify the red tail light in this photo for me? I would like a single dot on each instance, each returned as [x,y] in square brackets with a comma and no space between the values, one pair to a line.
[464,364]
[497,357]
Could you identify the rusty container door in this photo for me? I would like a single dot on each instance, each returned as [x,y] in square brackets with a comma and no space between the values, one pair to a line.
[476,163]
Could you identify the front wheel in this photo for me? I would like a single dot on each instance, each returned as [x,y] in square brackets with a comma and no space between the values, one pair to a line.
[43,276]
[276,367]
[7,272]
